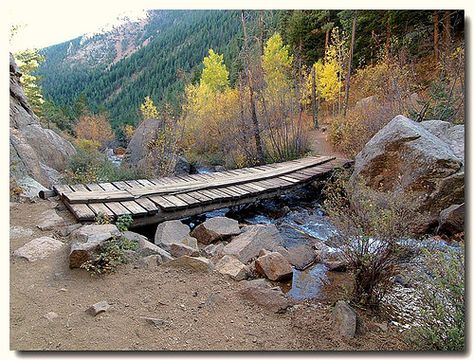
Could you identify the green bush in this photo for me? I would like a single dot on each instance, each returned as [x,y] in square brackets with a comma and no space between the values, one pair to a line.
[111,255]
[442,293]
[90,166]
[123,222]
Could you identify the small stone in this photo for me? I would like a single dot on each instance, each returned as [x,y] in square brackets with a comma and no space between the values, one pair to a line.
[156,322]
[213,250]
[178,250]
[63,290]
[98,308]
[20,232]
[231,266]
[195,263]
[39,248]
[150,261]
[345,319]
[50,220]
[274,266]
[50,316]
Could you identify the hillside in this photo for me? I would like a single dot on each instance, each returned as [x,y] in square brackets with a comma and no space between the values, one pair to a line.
[151,56]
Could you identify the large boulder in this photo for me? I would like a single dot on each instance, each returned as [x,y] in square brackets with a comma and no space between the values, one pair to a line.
[147,248]
[174,232]
[247,245]
[216,228]
[87,241]
[35,152]
[139,156]
[424,159]
[345,319]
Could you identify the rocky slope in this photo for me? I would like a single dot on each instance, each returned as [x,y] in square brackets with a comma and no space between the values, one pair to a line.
[36,153]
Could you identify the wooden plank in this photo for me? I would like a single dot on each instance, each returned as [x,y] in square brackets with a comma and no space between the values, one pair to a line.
[250,189]
[101,208]
[94,187]
[134,184]
[79,187]
[117,208]
[210,194]
[82,212]
[256,186]
[199,196]
[177,202]
[289,178]
[62,189]
[161,202]
[108,187]
[145,183]
[134,208]
[188,199]
[221,194]
[121,185]
[147,204]
[230,192]
[97,196]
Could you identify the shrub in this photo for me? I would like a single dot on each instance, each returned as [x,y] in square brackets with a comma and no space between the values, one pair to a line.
[442,294]
[123,222]
[89,165]
[111,255]
[102,219]
[370,226]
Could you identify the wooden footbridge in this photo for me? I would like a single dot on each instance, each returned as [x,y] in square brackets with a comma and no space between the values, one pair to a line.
[156,200]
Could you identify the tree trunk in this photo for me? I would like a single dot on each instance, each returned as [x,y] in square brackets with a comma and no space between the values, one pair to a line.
[349,66]
[326,43]
[314,104]
[436,36]
[388,34]
[256,125]
[447,31]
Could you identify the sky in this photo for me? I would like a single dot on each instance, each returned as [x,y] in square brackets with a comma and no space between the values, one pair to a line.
[47,22]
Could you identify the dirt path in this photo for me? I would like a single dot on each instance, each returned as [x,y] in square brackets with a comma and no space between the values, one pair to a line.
[204,311]
[320,145]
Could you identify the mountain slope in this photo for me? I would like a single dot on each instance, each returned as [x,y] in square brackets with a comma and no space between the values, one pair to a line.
[151,56]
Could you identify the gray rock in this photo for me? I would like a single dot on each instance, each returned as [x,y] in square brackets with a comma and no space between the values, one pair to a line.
[173,231]
[262,283]
[138,155]
[272,299]
[194,263]
[150,261]
[247,245]
[231,266]
[178,250]
[35,152]
[213,250]
[98,308]
[216,228]
[145,247]
[50,220]
[274,266]
[30,187]
[300,256]
[39,248]
[405,157]
[451,220]
[345,319]
[20,232]
[51,316]
[67,230]
[95,233]
[156,321]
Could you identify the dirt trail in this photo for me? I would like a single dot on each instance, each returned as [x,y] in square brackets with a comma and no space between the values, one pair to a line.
[320,145]
[204,311]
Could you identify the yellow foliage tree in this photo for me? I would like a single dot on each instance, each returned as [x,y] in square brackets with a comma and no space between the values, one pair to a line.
[94,127]
[148,109]
[276,63]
